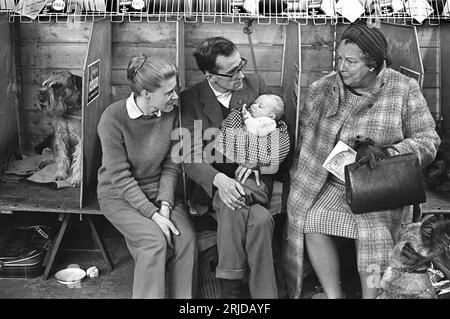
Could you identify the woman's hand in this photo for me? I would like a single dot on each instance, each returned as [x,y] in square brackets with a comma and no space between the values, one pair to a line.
[230,191]
[166,226]
[244,171]
[164,211]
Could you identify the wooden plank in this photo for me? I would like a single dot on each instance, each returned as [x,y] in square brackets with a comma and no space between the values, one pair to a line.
[445,74]
[266,60]
[156,33]
[37,75]
[36,32]
[317,34]
[291,57]
[428,35]
[309,77]
[99,50]
[35,122]
[180,61]
[123,91]
[436,203]
[47,55]
[432,80]
[9,137]
[121,54]
[29,142]
[430,58]
[313,58]
[32,197]
[262,34]
[119,92]
[432,95]
[317,59]
[272,78]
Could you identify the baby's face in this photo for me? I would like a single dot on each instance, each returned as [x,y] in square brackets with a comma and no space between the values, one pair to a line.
[263,106]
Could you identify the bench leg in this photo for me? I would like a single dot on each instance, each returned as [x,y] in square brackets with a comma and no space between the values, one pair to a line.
[417,213]
[99,243]
[53,250]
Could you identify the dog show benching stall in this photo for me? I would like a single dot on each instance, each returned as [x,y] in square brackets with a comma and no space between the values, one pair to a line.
[289,54]
[43,48]
[30,53]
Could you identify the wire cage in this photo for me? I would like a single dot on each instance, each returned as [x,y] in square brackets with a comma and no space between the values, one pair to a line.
[413,12]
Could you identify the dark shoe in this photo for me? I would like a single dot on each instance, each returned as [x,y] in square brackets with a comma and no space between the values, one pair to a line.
[230,289]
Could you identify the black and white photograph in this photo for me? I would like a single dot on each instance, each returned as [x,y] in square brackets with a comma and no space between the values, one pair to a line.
[199,151]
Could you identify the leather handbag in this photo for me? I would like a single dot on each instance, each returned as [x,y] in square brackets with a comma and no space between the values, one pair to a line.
[376,184]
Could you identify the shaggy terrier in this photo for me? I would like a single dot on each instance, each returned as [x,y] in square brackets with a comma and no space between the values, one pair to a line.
[419,244]
[60,97]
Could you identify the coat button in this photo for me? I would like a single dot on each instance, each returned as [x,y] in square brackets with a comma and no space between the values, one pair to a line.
[240,102]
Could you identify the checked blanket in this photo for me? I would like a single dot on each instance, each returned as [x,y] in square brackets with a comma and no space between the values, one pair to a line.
[242,147]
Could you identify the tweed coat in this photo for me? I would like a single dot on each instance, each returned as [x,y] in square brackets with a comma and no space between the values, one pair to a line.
[394,112]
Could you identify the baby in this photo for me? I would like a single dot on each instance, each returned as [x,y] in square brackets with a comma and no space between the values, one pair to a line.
[256,137]
[261,119]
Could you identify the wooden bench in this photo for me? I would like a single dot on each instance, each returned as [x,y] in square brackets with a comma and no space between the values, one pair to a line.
[437,203]
[29,197]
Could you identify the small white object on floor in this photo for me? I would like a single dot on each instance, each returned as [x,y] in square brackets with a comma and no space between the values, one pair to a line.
[92,272]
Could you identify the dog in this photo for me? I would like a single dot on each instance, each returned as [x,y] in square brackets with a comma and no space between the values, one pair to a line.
[60,97]
[419,245]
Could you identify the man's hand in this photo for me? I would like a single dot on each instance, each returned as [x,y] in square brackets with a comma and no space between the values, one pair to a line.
[244,171]
[230,191]
[166,226]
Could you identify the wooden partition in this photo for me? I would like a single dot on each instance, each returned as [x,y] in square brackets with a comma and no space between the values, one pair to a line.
[96,98]
[445,75]
[44,48]
[291,77]
[41,49]
[9,132]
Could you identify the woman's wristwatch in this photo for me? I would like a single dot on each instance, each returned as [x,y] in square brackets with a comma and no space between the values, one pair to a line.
[165,203]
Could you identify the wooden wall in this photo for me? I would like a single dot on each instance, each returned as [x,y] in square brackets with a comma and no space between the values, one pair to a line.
[131,38]
[267,42]
[48,47]
[8,108]
[430,50]
[45,48]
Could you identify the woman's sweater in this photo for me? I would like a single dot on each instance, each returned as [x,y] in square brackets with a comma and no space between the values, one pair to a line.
[136,157]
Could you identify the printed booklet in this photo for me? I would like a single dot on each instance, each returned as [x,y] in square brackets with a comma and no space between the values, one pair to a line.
[340,156]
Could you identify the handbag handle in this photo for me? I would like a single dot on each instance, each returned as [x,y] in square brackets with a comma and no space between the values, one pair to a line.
[371,158]
[368,159]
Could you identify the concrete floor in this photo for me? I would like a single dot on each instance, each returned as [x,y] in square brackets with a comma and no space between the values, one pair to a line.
[115,284]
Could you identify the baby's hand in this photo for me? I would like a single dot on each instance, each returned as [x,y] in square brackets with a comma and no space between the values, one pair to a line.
[245,112]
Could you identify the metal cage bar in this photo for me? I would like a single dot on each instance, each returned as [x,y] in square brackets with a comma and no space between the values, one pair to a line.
[317,12]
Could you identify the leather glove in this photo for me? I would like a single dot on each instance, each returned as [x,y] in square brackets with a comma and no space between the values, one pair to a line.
[366,147]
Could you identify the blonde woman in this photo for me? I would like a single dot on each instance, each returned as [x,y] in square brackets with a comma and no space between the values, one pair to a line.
[137,180]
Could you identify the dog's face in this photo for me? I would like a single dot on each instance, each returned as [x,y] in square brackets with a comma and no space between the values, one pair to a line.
[60,93]
[418,241]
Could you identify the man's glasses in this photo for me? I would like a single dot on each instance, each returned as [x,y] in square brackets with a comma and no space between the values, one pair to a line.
[235,74]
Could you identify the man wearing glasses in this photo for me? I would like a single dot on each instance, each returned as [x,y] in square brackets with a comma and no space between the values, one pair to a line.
[244,232]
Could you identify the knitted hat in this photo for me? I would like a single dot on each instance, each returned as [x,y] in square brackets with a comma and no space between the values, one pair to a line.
[369,40]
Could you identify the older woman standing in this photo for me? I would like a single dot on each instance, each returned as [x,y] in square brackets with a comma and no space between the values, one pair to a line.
[363,98]
[137,180]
